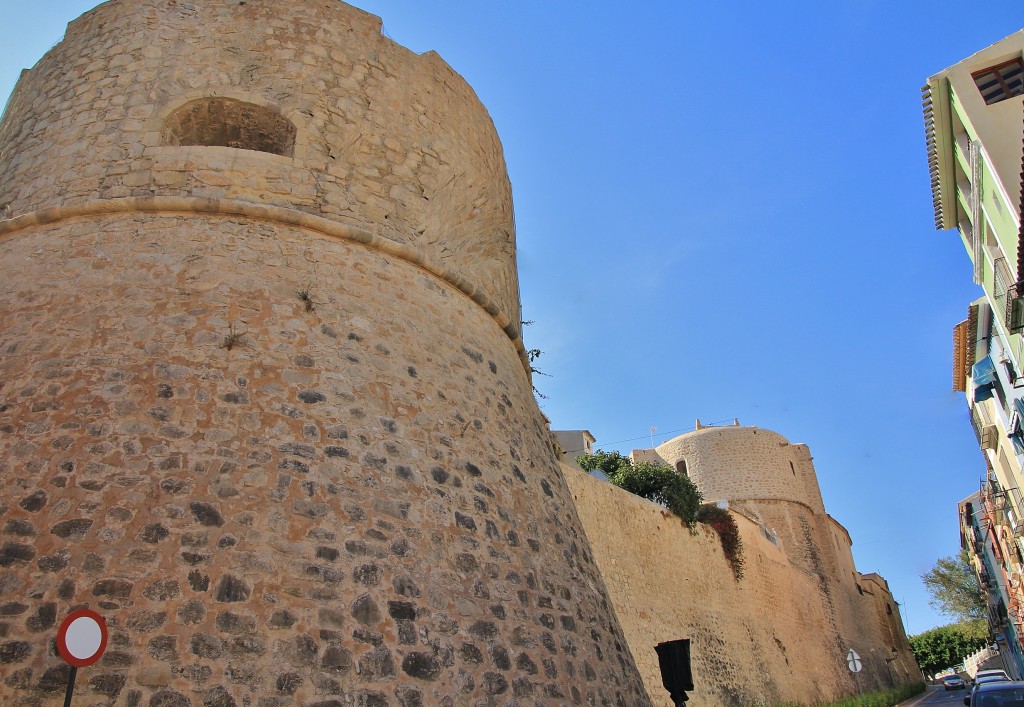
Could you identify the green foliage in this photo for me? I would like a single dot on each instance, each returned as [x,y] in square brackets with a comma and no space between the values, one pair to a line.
[945,646]
[608,462]
[532,355]
[661,484]
[728,534]
[954,588]
[655,482]
[883,698]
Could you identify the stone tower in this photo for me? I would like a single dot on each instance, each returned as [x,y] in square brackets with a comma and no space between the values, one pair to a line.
[773,482]
[765,475]
[263,396]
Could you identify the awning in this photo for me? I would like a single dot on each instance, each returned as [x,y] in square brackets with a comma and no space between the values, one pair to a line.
[983,372]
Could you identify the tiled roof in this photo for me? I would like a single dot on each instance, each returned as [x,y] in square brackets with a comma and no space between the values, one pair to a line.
[933,157]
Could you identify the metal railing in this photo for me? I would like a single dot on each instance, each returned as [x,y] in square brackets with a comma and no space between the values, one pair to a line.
[1014,506]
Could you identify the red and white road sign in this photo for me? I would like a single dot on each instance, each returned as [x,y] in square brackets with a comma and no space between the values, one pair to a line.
[82,638]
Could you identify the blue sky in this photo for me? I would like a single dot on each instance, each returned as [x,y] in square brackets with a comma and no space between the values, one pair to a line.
[723,211]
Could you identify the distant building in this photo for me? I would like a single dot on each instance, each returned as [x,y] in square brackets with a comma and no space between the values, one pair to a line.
[984,550]
[974,128]
[572,443]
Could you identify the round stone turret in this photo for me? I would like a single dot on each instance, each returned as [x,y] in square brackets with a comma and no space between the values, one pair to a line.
[263,402]
[764,475]
[301,105]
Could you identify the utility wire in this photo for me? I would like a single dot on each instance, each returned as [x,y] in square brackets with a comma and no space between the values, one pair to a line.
[660,434]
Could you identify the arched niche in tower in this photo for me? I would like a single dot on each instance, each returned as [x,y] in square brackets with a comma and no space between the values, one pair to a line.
[228,122]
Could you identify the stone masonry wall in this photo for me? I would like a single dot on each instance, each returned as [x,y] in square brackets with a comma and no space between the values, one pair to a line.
[268,413]
[272,504]
[765,476]
[386,138]
[774,636]
[746,463]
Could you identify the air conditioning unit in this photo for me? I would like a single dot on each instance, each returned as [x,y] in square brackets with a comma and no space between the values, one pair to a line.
[989,437]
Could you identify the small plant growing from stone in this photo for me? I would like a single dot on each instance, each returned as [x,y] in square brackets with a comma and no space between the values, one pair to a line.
[306,297]
[532,355]
[232,338]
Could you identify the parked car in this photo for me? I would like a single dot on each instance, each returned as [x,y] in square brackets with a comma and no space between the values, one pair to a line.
[988,673]
[953,682]
[984,679]
[996,693]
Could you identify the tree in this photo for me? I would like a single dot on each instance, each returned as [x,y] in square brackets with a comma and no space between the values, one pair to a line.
[954,588]
[655,482]
[660,483]
[608,462]
[944,647]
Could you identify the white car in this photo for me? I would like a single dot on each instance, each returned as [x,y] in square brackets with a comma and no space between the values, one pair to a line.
[987,673]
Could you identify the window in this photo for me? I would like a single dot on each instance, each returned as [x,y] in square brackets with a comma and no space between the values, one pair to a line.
[681,467]
[997,83]
[1015,314]
[1002,279]
[226,122]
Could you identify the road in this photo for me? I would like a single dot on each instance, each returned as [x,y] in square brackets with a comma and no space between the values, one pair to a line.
[937,696]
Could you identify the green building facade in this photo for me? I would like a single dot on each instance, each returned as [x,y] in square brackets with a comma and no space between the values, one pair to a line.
[974,121]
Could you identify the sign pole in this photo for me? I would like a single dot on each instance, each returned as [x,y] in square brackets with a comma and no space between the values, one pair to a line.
[71,686]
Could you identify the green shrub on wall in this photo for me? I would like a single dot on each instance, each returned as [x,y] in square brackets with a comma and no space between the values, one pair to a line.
[728,534]
[655,482]
[662,484]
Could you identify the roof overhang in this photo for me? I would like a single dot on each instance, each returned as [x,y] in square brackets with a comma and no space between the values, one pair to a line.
[938,127]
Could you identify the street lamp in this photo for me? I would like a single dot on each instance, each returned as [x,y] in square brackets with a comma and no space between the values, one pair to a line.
[674,661]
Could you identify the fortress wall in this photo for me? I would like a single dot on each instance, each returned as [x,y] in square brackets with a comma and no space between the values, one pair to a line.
[762,474]
[887,624]
[386,139]
[751,639]
[845,569]
[349,495]
[774,636]
[357,500]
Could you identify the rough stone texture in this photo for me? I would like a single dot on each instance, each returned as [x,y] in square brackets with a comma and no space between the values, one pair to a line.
[781,633]
[386,139]
[207,411]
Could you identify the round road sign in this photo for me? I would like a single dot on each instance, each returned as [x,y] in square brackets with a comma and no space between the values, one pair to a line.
[853,661]
[82,638]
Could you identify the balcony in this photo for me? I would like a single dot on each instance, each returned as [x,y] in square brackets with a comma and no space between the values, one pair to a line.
[994,504]
[986,581]
[1013,505]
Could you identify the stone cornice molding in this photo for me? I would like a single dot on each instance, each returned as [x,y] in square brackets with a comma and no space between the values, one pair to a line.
[275,214]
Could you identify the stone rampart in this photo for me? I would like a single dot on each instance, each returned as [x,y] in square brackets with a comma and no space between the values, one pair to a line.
[385,139]
[262,394]
[774,636]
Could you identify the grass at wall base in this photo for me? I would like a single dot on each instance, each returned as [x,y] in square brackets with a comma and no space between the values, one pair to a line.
[883,698]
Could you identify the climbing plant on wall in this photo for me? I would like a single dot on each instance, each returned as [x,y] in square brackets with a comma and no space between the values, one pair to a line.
[728,534]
